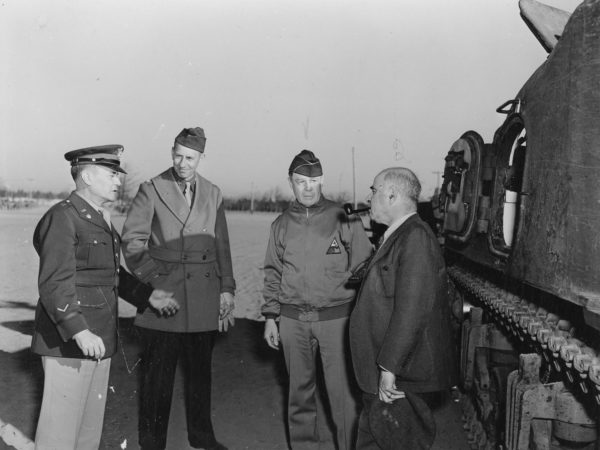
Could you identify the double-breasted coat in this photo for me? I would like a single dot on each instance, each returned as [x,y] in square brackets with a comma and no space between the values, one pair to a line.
[79,279]
[401,321]
[181,249]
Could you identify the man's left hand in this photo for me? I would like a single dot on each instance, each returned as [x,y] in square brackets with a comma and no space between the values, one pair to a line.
[227,305]
[387,387]
[226,311]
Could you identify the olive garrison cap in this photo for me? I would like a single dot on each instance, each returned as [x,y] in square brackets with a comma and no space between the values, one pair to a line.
[102,155]
[192,138]
[307,164]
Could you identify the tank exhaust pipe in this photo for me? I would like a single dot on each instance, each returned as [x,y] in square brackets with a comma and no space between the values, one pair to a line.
[349,209]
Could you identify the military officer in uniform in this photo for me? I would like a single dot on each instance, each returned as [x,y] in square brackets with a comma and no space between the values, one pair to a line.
[79,282]
[175,237]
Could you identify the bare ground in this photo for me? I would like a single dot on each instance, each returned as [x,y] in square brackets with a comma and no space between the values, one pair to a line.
[249,380]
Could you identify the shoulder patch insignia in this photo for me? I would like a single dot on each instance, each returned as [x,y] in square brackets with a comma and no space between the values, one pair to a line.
[334,248]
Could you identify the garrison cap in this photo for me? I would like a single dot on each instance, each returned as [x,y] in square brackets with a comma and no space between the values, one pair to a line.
[102,155]
[192,138]
[307,164]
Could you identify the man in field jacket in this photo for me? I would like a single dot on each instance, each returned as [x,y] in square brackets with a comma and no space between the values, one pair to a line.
[176,238]
[313,248]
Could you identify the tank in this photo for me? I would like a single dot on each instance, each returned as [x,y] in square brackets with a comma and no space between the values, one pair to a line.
[520,225]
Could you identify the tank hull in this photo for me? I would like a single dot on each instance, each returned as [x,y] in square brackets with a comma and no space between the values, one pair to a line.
[520,229]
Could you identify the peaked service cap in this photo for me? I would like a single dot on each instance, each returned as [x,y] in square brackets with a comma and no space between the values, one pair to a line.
[102,155]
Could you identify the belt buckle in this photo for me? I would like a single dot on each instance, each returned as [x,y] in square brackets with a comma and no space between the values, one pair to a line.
[308,316]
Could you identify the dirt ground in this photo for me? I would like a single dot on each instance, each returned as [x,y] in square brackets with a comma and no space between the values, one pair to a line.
[249,380]
[249,385]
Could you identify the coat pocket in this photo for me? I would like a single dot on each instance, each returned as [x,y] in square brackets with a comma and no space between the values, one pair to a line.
[385,282]
[95,251]
[98,306]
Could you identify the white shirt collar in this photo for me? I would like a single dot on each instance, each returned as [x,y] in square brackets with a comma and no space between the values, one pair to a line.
[395,225]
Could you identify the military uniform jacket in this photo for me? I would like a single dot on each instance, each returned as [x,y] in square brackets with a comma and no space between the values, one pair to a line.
[78,279]
[180,249]
[401,320]
[310,257]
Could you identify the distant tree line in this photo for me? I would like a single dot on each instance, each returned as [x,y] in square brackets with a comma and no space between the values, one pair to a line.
[38,195]
[272,201]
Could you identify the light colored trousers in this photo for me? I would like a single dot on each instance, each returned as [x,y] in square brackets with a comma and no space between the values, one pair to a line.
[73,404]
[301,341]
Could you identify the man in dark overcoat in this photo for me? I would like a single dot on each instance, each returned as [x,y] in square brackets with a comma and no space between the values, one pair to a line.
[176,239]
[76,316]
[400,333]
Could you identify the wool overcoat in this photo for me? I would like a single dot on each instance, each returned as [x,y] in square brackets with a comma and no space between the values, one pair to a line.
[401,321]
[181,249]
[79,276]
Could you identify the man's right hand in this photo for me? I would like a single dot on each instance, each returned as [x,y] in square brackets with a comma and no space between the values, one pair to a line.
[272,333]
[90,344]
[164,302]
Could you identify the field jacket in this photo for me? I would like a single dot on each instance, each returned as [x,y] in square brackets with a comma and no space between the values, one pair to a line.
[311,254]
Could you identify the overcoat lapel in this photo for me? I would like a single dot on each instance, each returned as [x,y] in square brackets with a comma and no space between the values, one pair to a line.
[87,212]
[171,196]
[385,247]
[201,197]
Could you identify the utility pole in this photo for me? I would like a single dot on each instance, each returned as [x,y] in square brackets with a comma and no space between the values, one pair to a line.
[252,197]
[353,180]
[437,173]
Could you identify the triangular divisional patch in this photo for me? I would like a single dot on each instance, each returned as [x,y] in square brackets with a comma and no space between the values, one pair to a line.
[334,248]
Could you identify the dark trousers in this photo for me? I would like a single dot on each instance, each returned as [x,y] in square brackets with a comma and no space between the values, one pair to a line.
[161,352]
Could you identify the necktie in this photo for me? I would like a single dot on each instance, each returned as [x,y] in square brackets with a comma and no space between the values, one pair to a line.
[187,193]
[106,214]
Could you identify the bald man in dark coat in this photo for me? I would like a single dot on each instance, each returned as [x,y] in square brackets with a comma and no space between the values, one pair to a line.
[400,334]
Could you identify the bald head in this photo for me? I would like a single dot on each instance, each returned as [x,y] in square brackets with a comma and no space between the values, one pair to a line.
[404,181]
[395,193]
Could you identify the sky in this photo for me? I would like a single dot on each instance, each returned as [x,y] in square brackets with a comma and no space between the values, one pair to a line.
[378,82]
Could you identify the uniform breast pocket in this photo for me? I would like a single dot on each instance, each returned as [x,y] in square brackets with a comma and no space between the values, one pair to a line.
[95,251]
[385,283]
